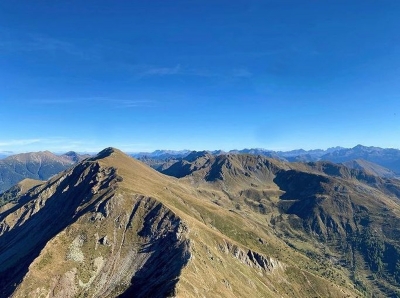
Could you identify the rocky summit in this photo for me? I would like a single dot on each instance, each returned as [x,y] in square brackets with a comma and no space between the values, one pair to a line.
[229,226]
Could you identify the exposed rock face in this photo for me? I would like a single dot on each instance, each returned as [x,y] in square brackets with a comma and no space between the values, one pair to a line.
[79,235]
[113,227]
[251,258]
[314,207]
[164,251]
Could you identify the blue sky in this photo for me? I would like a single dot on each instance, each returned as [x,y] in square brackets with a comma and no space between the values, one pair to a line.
[146,75]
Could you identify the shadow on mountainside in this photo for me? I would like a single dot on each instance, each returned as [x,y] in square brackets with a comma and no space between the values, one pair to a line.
[20,246]
[159,275]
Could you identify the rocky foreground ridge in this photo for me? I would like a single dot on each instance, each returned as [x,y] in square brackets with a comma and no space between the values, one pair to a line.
[113,227]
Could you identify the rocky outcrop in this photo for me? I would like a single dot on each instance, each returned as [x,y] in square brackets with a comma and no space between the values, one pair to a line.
[165,252]
[251,258]
[81,235]
[113,227]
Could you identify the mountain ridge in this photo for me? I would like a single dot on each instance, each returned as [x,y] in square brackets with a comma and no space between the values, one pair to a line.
[387,160]
[322,201]
[122,228]
[35,165]
[379,161]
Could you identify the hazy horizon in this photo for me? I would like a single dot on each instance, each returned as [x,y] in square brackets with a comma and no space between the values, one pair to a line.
[142,76]
[7,153]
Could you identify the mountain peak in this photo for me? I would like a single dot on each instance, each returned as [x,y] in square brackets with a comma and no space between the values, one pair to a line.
[192,156]
[111,226]
[360,147]
[107,152]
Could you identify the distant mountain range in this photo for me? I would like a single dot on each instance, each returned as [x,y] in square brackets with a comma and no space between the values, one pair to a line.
[349,209]
[162,154]
[388,158]
[35,165]
[384,162]
[43,165]
[225,225]
[293,155]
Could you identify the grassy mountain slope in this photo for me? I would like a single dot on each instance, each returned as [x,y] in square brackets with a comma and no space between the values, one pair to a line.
[113,226]
[345,217]
[370,167]
[17,191]
[34,165]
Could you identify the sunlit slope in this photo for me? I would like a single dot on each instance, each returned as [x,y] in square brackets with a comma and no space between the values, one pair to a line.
[113,226]
[340,217]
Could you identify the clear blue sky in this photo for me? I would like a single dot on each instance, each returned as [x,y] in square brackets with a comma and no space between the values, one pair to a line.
[146,75]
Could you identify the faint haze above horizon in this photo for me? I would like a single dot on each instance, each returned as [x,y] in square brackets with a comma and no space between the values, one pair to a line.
[184,152]
[148,75]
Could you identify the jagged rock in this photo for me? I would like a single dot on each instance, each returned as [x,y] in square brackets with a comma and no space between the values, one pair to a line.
[251,258]
[112,227]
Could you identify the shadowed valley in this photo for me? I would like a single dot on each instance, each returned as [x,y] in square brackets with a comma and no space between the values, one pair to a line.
[231,225]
